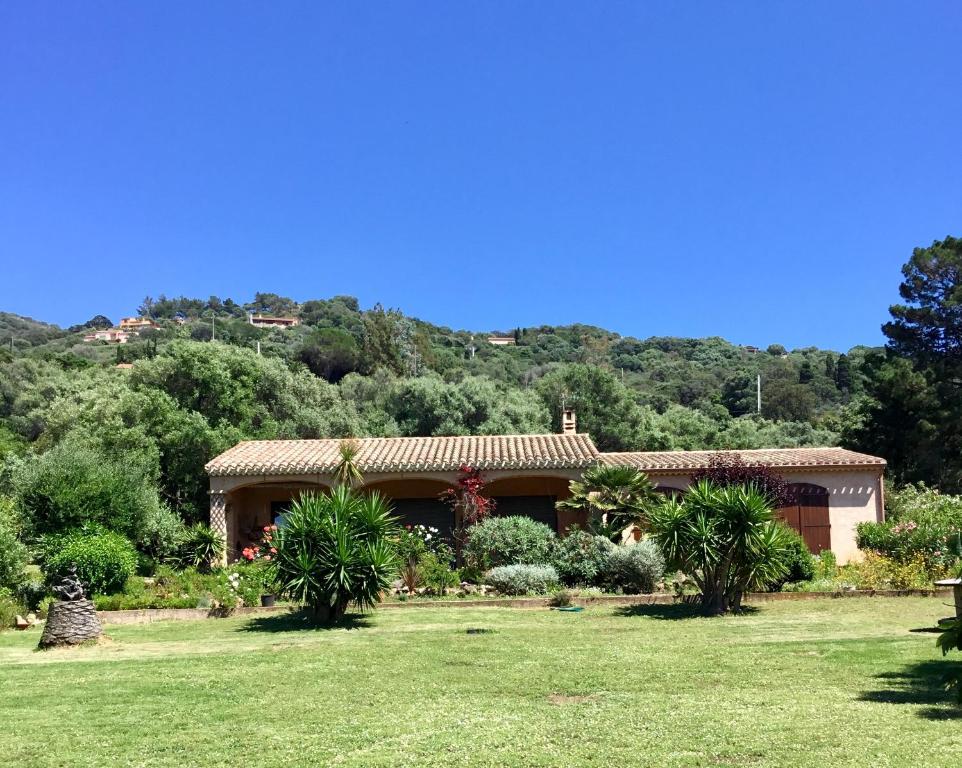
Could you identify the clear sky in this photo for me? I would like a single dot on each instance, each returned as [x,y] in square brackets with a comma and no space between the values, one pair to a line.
[758,171]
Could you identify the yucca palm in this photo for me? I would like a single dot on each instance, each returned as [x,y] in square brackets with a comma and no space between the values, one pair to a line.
[336,549]
[614,498]
[347,473]
[725,538]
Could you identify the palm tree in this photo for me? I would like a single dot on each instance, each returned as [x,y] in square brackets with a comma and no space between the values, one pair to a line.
[336,549]
[614,498]
[347,473]
[725,538]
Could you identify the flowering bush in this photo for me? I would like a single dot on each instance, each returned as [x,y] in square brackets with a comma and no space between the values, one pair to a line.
[265,549]
[922,524]
[415,541]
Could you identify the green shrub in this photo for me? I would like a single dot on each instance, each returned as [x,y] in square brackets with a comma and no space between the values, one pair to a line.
[335,549]
[166,589]
[522,579]
[634,568]
[13,554]
[580,558]
[201,547]
[70,486]
[921,523]
[799,561]
[510,540]
[104,559]
[876,571]
[10,607]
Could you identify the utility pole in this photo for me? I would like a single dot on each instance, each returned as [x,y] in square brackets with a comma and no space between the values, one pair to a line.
[212,329]
[758,391]
[258,347]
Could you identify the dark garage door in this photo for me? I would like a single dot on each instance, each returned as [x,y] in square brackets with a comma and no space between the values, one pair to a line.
[540,508]
[428,512]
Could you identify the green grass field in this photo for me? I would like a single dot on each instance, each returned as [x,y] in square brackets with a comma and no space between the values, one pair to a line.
[816,683]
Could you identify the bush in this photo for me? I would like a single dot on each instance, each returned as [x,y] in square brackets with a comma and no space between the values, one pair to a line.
[104,559]
[921,523]
[580,558]
[160,533]
[522,579]
[166,589]
[335,549]
[799,562]
[13,554]
[71,486]
[879,572]
[201,547]
[9,609]
[510,540]
[634,568]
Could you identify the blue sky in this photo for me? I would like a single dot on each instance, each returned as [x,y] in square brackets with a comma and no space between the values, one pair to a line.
[758,171]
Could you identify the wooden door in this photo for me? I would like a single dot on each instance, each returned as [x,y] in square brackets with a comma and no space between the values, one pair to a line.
[809,515]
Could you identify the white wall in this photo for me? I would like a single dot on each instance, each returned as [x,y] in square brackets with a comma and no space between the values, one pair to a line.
[853,498]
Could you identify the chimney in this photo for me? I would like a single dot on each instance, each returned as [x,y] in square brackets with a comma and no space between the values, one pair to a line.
[569,424]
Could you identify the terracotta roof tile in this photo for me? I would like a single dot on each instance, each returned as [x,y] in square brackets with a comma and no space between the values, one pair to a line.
[784,458]
[405,454]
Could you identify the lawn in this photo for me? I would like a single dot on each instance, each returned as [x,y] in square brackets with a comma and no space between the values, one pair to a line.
[814,683]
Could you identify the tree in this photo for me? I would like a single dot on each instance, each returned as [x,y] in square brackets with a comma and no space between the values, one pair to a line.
[613,497]
[927,328]
[606,408]
[843,373]
[725,538]
[468,503]
[335,549]
[725,470]
[330,353]
[912,412]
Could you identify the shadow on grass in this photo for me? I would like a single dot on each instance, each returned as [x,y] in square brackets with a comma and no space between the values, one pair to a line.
[674,611]
[300,620]
[922,683]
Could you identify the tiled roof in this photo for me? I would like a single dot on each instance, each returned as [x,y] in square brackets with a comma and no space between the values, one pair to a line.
[783,458]
[405,454]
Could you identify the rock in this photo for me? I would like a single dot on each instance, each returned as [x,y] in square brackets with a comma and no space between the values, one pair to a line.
[468,589]
[31,619]
[70,622]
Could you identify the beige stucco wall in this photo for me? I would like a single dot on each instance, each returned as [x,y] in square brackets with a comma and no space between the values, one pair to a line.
[854,497]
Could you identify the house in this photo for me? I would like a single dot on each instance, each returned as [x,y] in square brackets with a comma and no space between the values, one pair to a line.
[252,483]
[502,341]
[111,336]
[266,321]
[137,324]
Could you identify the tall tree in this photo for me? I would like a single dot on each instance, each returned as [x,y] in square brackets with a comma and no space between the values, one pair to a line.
[912,412]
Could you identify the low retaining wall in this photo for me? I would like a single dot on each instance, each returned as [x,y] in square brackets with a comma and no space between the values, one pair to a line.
[148,615]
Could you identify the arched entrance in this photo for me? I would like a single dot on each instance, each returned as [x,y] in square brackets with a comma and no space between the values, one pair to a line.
[809,515]
[415,502]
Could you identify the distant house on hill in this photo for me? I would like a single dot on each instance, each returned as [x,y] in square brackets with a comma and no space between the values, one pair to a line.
[502,341]
[137,324]
[266,321]
[110,336]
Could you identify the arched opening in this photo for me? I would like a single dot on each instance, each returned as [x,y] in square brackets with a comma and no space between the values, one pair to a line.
[416,501]
[809,515]
[251,507]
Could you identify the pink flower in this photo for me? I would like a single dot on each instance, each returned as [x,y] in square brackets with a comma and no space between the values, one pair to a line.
[273,551]
[266,528]
[267,557]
